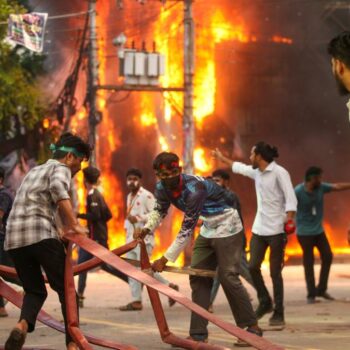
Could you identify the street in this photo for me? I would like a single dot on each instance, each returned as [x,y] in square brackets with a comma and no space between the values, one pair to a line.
[324,325]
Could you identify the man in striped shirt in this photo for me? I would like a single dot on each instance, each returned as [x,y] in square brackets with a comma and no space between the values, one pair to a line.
[32,239]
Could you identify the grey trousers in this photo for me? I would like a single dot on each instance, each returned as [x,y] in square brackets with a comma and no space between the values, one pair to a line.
[224,254]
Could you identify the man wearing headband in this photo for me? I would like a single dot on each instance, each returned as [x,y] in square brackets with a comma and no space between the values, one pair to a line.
[219,244]
[310,231]
[32,239]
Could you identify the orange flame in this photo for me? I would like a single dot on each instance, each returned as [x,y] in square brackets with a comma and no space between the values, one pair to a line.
[108,141]
[167,31]
[202,165]
[215,29]
[281,40]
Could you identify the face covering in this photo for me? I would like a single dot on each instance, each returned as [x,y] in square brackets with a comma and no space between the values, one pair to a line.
[171,183]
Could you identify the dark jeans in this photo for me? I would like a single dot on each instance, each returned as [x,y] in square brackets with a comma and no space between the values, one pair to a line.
[6,260]
[48,254]
[321,243]
[258,247]
[85,256]
[224,254]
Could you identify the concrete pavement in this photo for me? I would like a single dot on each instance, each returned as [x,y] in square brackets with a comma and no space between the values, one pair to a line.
[325,325]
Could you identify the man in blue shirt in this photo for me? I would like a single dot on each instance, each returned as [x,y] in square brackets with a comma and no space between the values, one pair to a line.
[219,243]
[310,231]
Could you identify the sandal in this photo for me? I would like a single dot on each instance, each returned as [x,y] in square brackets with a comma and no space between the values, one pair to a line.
[16,340]
[134,306]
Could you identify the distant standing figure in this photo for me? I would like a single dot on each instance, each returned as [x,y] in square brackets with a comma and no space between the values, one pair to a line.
[140,203]
[222,178]
[310,231]
[97,215]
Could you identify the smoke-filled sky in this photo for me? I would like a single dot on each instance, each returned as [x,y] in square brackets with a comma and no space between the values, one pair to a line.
[283,94]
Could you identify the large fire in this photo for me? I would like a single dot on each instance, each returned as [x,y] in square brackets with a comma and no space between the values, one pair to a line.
[163,113]
[108,141]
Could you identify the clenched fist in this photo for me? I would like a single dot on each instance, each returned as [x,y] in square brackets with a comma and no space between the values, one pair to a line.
[159,264]
[141,234]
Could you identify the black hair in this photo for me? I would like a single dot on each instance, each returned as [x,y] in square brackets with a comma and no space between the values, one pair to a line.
[135,172]
[221,173]
[2,173]
[69,140]
[339,47]
[267,152]
[312,171]
[91,174]
[166,159]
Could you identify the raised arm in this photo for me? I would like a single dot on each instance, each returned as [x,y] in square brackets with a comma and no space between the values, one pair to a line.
[237,167]
[217,154]
[340,186]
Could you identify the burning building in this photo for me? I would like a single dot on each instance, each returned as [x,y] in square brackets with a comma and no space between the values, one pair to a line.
[261,73]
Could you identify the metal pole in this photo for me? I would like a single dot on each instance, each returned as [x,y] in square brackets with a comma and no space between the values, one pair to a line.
[92,80]
[188,121]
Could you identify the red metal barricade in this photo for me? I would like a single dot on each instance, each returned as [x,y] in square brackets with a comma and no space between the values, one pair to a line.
[103,255]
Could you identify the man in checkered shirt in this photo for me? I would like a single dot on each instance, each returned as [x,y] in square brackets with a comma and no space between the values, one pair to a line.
[32,238]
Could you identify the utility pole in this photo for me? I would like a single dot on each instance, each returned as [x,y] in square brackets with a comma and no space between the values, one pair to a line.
[188,124]
[92,80]
[188,120]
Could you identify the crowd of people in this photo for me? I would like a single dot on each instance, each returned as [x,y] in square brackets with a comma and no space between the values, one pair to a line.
[31,240]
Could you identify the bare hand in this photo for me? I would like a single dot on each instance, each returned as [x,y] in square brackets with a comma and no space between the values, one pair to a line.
[141,234]
[80,230]
[217,154]
[132,219]
[159,264]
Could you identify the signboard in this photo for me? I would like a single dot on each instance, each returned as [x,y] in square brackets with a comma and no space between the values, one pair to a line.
[28,30]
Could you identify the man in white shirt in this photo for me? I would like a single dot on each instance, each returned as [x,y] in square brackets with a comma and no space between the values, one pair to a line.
[140,203]
[277,205]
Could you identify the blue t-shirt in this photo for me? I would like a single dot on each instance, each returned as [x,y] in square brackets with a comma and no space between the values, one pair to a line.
[310,209]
